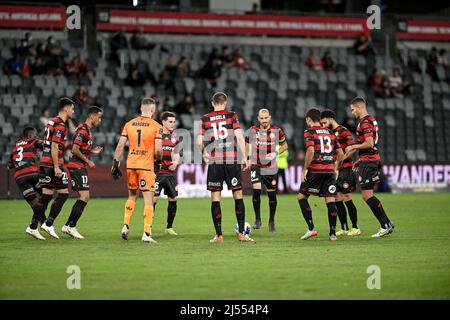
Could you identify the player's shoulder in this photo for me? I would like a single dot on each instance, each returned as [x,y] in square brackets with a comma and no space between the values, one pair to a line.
[56,121]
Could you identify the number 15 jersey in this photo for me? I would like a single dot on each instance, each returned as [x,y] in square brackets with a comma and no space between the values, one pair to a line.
[141,133]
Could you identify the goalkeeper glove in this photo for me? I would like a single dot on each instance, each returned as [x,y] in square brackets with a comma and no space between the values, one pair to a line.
[115,171]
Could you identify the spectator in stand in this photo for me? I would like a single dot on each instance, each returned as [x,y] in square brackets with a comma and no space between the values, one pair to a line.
[134,77]
[44,118]
[77,67]
[53,48]
[26,67]
[81,97]
[139,42]
[327,62]
[432,62]
[442,58]
[313,61]
[227,57]
[240,61]
[13,66]
[38,67]
[184,68]
[168,74]
[214,55]
[118,41]
[24,49]
[185,106]
[212,71]
[41,50]
[396,84]
[363,46]
[377,84]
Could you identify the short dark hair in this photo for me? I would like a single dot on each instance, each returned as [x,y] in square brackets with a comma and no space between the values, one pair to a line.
[327,113]
[27,130]
[148,101]
[314,114]
[166,115]
[219,98]
[357,100]
[63,102]
[94,110]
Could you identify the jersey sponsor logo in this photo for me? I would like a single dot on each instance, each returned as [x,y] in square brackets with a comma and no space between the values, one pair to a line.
[214,184]
[312,190]
[28,191]
[138,152]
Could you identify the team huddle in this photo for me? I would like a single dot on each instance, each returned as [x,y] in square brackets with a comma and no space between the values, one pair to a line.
[155,151]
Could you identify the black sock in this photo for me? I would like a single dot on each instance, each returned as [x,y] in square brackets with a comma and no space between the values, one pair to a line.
[216,213]
[154,206]
[307,214]
[56,208]
[39,210]
[257,203]
[77,211]
[239,209]
[342,214]
[171,212]
[352,213]
[272,204]
[377,209]
[332,217]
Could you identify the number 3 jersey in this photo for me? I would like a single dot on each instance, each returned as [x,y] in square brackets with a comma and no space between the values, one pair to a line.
[83,139]
[23,157]
[368,127]
[217,128]
[141,133]
[325,144]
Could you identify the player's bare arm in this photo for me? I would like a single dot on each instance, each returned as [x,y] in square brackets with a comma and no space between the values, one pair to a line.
[175,161]
[158,149]
[241,144]
[201,148]
[54,152]
[97,150]
[339,160]
[77,153]
[308,159]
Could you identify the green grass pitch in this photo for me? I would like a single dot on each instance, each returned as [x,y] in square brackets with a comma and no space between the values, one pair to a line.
[414,261]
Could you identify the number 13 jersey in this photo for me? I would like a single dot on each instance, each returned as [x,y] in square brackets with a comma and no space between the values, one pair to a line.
[325,144]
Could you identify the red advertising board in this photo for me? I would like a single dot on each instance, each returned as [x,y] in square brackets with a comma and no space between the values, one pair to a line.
[32,17]
[424,30]
[169,22]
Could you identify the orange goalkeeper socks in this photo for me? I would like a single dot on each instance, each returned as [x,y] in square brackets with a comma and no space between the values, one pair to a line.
[148,218]
[129,209]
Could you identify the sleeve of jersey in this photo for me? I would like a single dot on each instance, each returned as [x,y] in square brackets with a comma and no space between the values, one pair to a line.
[337,145]
[159,132]
[125,131]
[367,129]
[309,139]
[282,137]
[39,144]
[348,139]
[78,139]
[59,134]
[236,122]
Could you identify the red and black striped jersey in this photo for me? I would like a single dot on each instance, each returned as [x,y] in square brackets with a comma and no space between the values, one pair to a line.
[217,128]
[368,127]
[325,144]
[83,139]
[168,143]
[264,142]
[345,139]
[23,157]
[55,131]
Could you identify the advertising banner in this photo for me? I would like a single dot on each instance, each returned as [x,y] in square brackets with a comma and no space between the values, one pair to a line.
[32,17]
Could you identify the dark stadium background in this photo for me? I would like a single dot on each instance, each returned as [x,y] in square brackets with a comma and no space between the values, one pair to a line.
[415,125]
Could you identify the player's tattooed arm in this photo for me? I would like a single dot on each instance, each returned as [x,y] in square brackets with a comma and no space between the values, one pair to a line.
[283,147]
[340,158]
[77,153]
[308,159]
[54,152]
[120,147]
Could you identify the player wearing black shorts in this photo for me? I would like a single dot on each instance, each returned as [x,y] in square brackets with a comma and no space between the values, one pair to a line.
[261,143]
[26,174]
[166,168]
[346,181]
[52,175]
[218,140]
[78,164]
[318,175]
[368,165]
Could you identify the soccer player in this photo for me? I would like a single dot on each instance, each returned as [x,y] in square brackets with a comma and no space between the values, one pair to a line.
[346,181]
[368,165]
[81,149]
[262,141]
[52,175]
[165,177]
[26,174]
[144,137]
[318,175]
[218,140]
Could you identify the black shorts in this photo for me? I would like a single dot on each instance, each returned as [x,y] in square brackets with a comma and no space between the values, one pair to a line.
[80,181]
[346,181]
[270,181]
[168,183]
[28,186]
[218,173]
[369,174]
[319,184]
[47,178]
